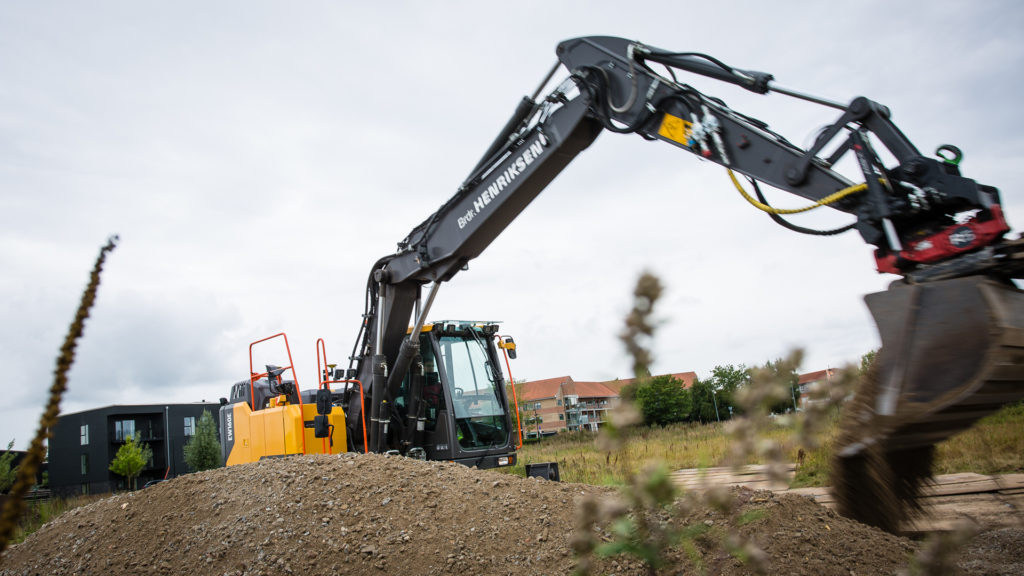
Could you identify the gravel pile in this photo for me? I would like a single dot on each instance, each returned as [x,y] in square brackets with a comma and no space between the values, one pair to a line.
[371,514]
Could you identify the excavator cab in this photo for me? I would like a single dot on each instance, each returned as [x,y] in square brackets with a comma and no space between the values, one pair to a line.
[456,407]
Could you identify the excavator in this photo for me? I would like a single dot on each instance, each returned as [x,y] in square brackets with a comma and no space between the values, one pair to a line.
[950,322]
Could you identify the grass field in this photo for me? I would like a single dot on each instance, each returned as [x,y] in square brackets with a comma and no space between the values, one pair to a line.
[994,445]
[42,511]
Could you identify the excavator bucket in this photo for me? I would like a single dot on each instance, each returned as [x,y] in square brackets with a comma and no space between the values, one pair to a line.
[952,352]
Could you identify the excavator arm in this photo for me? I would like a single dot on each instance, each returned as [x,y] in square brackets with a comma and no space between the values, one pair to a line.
[940,232]
[907,210]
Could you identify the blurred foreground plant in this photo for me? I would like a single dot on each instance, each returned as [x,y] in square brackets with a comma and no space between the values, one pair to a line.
[647,521]
[37,450]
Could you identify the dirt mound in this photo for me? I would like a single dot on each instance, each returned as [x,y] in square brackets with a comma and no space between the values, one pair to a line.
[369,514]
[995,553]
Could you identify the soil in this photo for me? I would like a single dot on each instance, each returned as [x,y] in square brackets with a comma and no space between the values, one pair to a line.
[372,514]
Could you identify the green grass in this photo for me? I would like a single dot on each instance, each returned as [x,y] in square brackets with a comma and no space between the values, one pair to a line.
[994,445]
[677,446]
[40,512]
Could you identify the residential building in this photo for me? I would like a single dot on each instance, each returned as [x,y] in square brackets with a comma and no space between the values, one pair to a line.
[84,444]
[809,381]
[556,404]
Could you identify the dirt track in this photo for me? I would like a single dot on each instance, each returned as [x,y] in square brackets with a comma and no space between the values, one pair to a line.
[369,514]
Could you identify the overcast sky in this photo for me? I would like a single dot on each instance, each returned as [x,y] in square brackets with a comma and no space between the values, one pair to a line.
[257,158]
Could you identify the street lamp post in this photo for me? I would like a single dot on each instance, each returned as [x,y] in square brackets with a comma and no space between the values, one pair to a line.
[714,398]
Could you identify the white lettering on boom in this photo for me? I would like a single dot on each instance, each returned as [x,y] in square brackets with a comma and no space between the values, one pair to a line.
[514,169]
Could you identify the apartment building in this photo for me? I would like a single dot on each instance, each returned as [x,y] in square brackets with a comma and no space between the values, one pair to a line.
[556,404]
[84,443]
[810,380]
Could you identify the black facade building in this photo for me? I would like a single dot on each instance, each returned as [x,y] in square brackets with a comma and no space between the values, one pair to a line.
[84,444]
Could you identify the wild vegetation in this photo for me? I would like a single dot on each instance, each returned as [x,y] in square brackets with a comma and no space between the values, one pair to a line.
[994,445]
[8,473]
[39,512]
[648,520]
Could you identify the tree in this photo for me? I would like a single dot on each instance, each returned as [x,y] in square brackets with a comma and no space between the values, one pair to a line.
[131,458]
[202,452]
[8,474]
[784,372]
[702,408]
[663,400]
[867,360]
[628,392]
[726,380]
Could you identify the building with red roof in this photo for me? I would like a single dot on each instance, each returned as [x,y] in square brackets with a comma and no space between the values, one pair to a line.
[809,381]
[556,404]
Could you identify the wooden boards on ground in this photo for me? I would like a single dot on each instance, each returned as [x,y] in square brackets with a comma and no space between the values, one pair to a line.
[992,501]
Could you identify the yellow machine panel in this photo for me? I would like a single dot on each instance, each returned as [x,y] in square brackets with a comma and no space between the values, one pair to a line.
[277,431]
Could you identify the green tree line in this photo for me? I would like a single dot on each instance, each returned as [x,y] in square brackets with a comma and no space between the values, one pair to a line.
[664,400]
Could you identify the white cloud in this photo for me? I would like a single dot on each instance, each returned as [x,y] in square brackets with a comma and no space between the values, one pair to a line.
[258,158]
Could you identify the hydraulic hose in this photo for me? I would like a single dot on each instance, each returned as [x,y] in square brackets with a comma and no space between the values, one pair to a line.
[830,199]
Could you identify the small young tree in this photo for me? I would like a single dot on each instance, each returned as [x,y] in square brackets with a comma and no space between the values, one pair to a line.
[130,459]
[202,452]
[8,473]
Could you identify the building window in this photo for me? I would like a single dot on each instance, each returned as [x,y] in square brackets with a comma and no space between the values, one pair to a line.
[85,464]
[536,406]
[147,434]
[124,429]
[84,430]
[190,425]
[561,416]
[558,402]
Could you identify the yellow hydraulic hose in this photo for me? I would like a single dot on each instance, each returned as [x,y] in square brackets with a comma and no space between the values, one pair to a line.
[823,202]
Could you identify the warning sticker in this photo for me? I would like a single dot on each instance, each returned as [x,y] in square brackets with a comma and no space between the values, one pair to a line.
[676,129]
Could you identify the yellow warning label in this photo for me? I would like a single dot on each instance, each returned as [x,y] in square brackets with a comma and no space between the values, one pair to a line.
[676,129]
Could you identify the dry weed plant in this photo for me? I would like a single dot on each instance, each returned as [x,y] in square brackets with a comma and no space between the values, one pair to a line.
[37,450]
[769,387]
[640,523]
[635,531]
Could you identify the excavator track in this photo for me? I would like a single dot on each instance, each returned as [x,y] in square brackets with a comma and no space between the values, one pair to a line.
[952,353]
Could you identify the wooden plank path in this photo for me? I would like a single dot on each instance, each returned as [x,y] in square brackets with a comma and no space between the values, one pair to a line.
[992,501]
[754,477]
